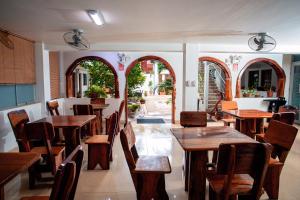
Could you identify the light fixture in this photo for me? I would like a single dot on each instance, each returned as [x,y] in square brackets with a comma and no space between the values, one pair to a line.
[96,17]
[233,61]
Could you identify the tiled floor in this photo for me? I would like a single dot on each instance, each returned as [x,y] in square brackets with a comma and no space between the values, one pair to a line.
[156,139]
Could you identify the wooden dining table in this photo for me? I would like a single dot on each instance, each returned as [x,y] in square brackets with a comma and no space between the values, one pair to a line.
[196,142]
[71,125]
[249,121]
[98,108]
[11,164]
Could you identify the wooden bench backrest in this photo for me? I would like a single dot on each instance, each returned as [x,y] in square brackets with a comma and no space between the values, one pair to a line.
[229,105]
[63,181]
[77,157]
[128,140]
[193,119]
[244,158]
[112,128]
[121,108]
[53,107]
[44,131]
[287,117]
[83,109]
[287,108]
[282,137]
[18,119]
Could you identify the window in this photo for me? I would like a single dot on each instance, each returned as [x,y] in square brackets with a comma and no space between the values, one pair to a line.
[16,95]
[84,79]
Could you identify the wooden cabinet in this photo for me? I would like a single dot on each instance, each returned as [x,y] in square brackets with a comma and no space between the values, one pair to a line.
[17,65]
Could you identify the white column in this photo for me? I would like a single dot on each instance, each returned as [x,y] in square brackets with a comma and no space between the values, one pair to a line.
[190,63]
[42,76]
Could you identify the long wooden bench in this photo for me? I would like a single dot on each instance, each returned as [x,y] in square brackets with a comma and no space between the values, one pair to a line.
[100,146]
[147,172]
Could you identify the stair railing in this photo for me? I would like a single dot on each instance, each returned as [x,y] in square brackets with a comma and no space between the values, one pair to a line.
[215,111]
[216,73]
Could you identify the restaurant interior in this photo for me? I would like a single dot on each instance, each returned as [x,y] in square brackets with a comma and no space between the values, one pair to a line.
[149,100]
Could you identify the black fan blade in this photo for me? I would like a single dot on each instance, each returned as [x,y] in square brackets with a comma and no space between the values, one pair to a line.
[258,42]
[260,47]
[269,43]
[83,44]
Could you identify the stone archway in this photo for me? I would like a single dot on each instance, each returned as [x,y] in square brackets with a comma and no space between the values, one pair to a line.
[172,73]
[281,78]
[226,70]
[69,78]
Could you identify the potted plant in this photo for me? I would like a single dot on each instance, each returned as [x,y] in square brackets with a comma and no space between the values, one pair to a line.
[132,108]
[142,101]
[95,91]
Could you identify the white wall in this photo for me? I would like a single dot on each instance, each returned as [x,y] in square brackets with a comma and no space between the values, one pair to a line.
[175,59]
[7,138]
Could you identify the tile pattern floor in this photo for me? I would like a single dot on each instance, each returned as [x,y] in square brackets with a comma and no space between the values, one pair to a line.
[116,183]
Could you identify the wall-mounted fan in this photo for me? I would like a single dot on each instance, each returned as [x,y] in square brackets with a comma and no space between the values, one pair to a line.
[76,40]
[5,40]
[261,42]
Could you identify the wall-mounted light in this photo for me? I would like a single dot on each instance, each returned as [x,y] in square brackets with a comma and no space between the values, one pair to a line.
[96,17]
[233,61]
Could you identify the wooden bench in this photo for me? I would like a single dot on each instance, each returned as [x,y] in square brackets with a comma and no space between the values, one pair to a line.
[147,172]
[100,146]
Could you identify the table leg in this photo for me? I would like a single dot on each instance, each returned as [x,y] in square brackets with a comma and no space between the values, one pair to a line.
[2,193]
[197,175]
[72,139]
[238,124]
[186,170]
[101,128]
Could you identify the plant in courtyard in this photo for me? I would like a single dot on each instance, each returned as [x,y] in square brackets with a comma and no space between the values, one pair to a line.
[133,107]
[135,79]
[95,91]
[166,86]
[161,67]
[100,74]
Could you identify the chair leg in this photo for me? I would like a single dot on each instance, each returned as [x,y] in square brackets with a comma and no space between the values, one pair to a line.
[146,189]
[271,184]
[186,171]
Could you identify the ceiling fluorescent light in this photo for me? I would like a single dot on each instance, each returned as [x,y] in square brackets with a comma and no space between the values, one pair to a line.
[95,16]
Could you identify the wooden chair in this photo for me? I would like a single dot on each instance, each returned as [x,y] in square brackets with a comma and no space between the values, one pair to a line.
[100,146]
[52,155]
[240,171]
[121,108]
[53,107]
[281,136]
[18,119]
[86,109]
[191,119]
[147,172]
[228,105]
[287,108]
[66,178]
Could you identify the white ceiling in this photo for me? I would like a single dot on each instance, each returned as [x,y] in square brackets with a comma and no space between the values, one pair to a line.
[176,21]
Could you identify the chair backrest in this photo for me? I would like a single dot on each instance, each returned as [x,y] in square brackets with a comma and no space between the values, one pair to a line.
[121,108]
[18,119]
[112,128]
[43,131]
[83,109]
[98,101]
[53,107]
[287,117]
[281,136]
[244,158]
[229,105]
[287,108]
[193,119]
[128,140]
[63,181]
[77,157]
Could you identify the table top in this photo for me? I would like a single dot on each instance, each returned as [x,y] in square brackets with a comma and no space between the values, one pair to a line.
[99,106]
[63,121]
[11,164]
[208,138]
[248,113]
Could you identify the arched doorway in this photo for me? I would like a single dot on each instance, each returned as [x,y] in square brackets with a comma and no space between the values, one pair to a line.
[72,67]
[172,74]
[281,78]
[226,70]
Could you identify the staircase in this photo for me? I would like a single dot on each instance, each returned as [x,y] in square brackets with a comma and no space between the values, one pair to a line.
[213,94]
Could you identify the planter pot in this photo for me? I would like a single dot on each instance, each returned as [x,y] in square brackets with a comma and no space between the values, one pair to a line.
[162,93]
[246,95]
[142,101]
[269,93]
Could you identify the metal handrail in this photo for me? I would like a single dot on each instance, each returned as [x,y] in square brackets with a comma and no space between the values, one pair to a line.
[219,76]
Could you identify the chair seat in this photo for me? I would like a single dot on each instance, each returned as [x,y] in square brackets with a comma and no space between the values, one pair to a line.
[36,198]
[97,139]
[153,164]
[229,120]
[56,150]
[241,183]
